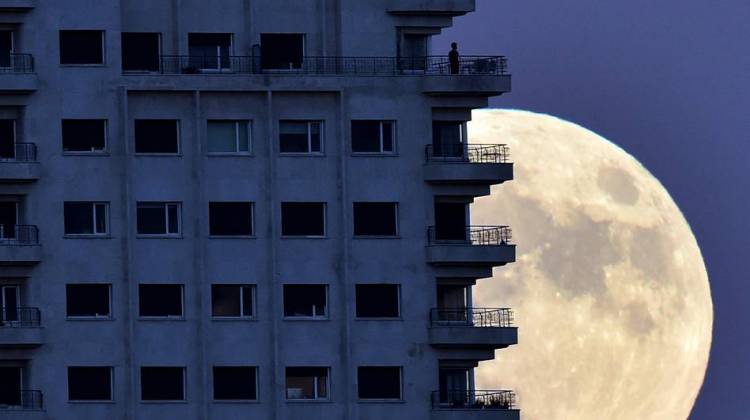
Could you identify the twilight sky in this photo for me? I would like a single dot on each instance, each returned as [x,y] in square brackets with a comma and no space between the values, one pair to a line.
[669,82]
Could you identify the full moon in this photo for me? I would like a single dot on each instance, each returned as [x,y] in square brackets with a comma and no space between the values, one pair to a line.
[610,292]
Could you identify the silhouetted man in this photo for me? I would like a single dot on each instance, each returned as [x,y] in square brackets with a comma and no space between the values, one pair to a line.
[453,59]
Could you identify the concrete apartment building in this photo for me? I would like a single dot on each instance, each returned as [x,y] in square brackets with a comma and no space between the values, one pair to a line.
[244,209]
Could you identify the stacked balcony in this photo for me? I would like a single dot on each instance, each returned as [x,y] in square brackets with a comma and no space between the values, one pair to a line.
[467,169]
[17,5]
[431,7]
[19,164]
[17,73]
[450,404]
[475,328]
[20,327]
[19,245]
[24,404]
[480,246]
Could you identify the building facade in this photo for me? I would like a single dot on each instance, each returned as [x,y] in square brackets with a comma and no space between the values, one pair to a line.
[244,209]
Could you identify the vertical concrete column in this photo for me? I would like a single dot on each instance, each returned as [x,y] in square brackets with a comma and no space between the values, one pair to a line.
[276,373]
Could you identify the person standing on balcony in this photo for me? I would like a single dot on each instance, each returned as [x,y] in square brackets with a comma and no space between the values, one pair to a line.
[454,59]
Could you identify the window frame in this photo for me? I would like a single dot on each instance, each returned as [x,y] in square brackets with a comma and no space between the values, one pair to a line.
[382,152]
[155,401]
[400,382]
[93,401]
[254,299]
[166,204]
[180,317]
[314,317]
[396,235]
[103,151]
[97,317]
[315,386]
[94,212]
[103,39]
[249,132]
[379,318]
[256,378]
[309,151]
[178,129]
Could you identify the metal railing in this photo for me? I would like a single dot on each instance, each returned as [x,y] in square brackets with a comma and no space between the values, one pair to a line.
[467,153]
[474,399]
[16,317]
[25,399]
[19,235]
[22,152]
[472,317]
[315,65]
[16,63]
[469,236]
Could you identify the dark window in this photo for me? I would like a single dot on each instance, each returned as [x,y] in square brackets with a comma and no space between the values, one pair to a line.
[81,47]
[161,300]
[85,218]
[447,139]
[378,382]
[157,136]
[209,51]
[232,300]
[282,51]
[162,383]
[373,136]
[230,218]
[90,383]
[375,219]
[303,219]
[306,383]
[377,300]
[10,386]
[84,135]
[235,383]
[300,137]
[88,300]
[6,49]
[228,137]
[450,222]
[140,51]
[305,300]
[154,218]
[8,140]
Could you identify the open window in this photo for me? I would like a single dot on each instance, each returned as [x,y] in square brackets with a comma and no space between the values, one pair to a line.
[379,382]
[370,136]
[232,301]
[157,137]
[158,218]
[230,218]
[235,383]
[10,305]
[162,383]
[88,300]
[303,219]
[450,222]
[448,140]
[84,136]
[6,50]
[8,139]
[210,51]
[282,51]
[141,51]
[160,300]
[300,137]
[81,47]
[377,300]
[375,219]
[454,385]
[9,216]
[89,383]
[307,383]
[306,301]
[86,218]
[228,137]
[414,48]
[11,385]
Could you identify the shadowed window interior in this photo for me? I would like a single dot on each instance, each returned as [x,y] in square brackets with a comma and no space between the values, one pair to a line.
[306,383]
[162,383]
[377,300]
[228,136]
[140,51]
[450,221]
[235,383]
[209,51]
[447,139]
[84,135]
[160,300]
[7,139]
[303,219]
[88,300]
[6,49]
[282,51]
[156,218]
[230,218]
[85,218]
[379,382]
[373,136]
[232,300]
[81,47]
[10,385]
[375,219]
[157,136]
[305,300]
[300,136]
[89,383]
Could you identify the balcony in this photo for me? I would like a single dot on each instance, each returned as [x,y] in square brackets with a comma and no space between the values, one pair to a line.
[20,328]
[472,328]
[475,404]
[431,7]
[27,404]
[480,246]
[469,165]
[19,245]
[22,166]
[17,74]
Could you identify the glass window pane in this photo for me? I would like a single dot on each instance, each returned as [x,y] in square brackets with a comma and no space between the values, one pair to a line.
[101,218]
[247,301]
[225,300]
[293,137]
[151,219]
[316,137]
[366,136]
[222,137]
[388,134]
[243,138]
[173,217]
[79,218]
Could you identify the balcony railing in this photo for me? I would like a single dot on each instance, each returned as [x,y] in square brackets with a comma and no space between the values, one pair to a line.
[16,63]
[472,317]
[467,153]
[22,152]
[14,235]
[474,399]
[14,317]
[470,236]
[25,399]
[364,66]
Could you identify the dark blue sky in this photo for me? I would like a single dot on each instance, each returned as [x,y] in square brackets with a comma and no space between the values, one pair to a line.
[668,81]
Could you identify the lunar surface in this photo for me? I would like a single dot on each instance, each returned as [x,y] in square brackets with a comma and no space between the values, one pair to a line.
[610,291]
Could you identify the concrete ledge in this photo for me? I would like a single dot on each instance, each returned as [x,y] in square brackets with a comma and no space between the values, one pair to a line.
[19,172]
[479,85]
[18,82]
[474,414]
[464,336]
[20,254]
[466,272]
[468,173]
[431,7]
[16,5]
[17,337]
[468,255]
[11,414]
